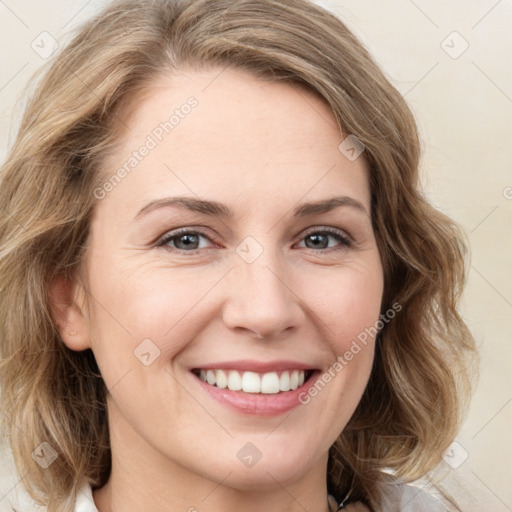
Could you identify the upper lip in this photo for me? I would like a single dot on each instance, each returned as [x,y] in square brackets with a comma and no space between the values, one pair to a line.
[257,366]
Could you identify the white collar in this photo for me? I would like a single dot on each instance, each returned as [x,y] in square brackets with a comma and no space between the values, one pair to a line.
[407,499]
[404,498]
[84,500]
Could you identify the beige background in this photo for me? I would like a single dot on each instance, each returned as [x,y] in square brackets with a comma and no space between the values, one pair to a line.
[463,104]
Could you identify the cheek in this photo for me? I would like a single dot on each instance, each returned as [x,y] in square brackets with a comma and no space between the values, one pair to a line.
[347,302]
[137,312]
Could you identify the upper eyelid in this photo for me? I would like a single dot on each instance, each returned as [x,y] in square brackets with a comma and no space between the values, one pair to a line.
[184,231]
[330,230]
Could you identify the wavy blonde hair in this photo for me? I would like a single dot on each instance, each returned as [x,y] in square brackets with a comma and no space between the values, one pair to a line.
[421,380]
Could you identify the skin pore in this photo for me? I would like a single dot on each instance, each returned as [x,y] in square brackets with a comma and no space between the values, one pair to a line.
[262,150]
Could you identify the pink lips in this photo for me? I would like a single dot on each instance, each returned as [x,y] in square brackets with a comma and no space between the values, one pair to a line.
[257,403]
[249,365]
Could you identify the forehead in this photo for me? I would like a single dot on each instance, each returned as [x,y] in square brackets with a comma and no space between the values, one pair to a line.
[229,134]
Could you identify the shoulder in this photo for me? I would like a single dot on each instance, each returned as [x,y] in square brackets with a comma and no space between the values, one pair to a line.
[401,497]
[398,496]
[19,500]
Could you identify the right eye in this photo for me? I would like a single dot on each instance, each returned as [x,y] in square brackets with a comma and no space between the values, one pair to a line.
[184,240]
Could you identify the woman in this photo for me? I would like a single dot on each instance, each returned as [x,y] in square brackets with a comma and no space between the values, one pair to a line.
[222,286]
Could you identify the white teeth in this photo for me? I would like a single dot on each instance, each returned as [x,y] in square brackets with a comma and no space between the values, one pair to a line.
[234,381]
[294,379]
[284,381]
[222,379]
[270,383]
[251,382]
[210,377]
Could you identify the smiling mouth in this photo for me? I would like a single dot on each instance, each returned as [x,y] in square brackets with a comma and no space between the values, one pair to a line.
[269,383]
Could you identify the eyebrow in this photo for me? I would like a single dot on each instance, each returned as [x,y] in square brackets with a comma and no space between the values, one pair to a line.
[214,208]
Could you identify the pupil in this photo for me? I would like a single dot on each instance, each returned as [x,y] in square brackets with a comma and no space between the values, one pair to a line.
[317,240]
[187,240]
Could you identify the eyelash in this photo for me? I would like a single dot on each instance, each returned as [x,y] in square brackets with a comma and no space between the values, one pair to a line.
[344,240]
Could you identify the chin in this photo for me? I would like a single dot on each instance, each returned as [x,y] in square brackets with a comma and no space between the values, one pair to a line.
[285,466]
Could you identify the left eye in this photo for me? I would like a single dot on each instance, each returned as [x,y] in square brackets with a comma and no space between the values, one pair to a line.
[320,239]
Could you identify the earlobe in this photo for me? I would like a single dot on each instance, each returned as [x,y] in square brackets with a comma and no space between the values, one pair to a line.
[67,314]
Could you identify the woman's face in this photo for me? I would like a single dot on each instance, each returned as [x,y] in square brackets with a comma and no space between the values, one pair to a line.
[271,237]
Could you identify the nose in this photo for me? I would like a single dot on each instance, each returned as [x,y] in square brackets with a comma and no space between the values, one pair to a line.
[262,298]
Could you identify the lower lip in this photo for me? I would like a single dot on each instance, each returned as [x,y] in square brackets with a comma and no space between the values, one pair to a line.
[259,404]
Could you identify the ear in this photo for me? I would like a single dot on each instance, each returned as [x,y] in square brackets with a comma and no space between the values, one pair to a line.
[67,314]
